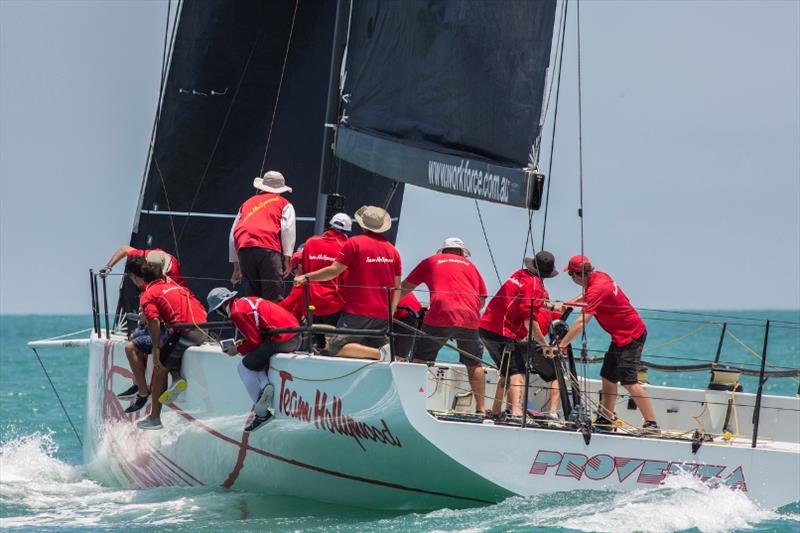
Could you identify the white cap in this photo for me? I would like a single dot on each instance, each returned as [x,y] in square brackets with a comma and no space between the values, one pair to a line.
[454,242]
[341,221]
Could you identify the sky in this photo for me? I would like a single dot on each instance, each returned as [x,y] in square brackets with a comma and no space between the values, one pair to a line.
[691,153]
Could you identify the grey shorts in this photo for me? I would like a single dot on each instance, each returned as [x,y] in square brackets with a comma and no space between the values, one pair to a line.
[428,345]
[171,354]
[346,320]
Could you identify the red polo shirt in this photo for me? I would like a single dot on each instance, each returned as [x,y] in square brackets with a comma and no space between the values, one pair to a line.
[259,224]
[605,300]
[253,316]
[171,303]
[509,309]
[319,252]
[410,301]
[372,264]
[174,272]
[456,288]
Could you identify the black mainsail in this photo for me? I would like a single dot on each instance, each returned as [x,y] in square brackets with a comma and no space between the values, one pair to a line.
[448,95]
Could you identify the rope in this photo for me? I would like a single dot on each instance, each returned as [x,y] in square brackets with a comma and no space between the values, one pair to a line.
[488,245]
[280,85]
[754,353]
[58,397]
[68,334]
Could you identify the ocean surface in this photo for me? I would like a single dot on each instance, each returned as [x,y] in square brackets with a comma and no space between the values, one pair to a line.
[43,485]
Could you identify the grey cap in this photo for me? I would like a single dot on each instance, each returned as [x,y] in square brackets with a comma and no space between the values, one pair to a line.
[218,296]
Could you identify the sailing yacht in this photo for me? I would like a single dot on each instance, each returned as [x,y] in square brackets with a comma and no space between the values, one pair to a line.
[351,100]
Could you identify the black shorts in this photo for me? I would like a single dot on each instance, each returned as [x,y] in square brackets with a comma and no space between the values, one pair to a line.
[346,320]
[171,354]
[258,359]
[405,339]
[468,340]
[510,355]
[621,363]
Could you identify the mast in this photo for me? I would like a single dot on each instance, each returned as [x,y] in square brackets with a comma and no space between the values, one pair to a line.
[327,177]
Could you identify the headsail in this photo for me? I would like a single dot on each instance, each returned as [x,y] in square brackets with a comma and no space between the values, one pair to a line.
[447,95]
[226,80]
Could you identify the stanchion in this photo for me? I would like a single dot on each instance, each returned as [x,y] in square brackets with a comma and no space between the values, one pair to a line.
[761,380]
[390,321]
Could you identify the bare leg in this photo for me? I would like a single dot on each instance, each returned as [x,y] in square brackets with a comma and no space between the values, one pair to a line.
[358,351]
[499,394]
[609,398]
[136,361]
[477,380]
[555,396]
[515,393]
[159,385]
[642,400]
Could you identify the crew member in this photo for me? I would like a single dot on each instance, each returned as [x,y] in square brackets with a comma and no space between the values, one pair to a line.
[165,302]
[254,318]
[507,320]
[321,251]
[457,294]
[262,238]
[409,311]
[604,299]
[373,267]
[169,263]
[138,346]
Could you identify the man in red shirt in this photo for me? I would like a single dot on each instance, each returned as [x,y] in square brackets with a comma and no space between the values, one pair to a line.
[373,267]
[169,263]
[457,294]
[254,318]
[604,299]
[262,238]
[165,302]
[510,320]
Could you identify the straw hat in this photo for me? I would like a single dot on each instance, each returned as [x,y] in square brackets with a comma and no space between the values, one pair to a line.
[374,219]
[273,182]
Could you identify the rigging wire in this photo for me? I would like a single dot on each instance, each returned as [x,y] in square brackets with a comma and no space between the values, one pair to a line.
[488,244]
[219,135]
[58,397]
[280,85]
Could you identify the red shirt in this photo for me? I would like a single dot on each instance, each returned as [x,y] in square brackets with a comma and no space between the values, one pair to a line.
[295,302]
[509,309]
[259,224]
[372,265]
[410,301]
[252,316]
[171,303]
[545,316]
[456,289]
[174,272]
[605,300]
[321,251]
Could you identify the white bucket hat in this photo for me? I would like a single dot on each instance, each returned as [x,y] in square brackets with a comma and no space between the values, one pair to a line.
[159,258]
[273,182]
[374,219]
[454,242]
[341,221]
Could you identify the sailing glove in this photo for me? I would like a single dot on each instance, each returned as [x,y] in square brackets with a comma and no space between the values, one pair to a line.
[105,271]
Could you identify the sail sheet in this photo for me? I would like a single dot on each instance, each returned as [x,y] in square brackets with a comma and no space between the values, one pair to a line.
[447,94]
[221,92]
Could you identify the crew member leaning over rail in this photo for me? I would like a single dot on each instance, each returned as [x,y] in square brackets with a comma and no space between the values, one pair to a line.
[373,266]
[507,320]
[409,311]
[168,262]
[604,299]
[254,318]
[165,302]
[458,293]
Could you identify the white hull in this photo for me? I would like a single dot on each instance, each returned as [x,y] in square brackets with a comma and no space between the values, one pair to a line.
[361,433]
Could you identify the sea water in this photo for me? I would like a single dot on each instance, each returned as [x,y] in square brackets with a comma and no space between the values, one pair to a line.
[43,485]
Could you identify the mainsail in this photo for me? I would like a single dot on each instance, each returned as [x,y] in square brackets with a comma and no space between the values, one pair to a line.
[245,92]
[448,95]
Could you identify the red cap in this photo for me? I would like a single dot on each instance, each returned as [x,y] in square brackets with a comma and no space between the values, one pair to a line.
[297,258]
[576,262]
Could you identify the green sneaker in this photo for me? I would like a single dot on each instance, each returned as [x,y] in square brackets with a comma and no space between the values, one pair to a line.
[172,393]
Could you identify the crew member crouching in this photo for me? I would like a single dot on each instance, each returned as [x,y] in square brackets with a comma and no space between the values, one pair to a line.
[165,302]
[254,318]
